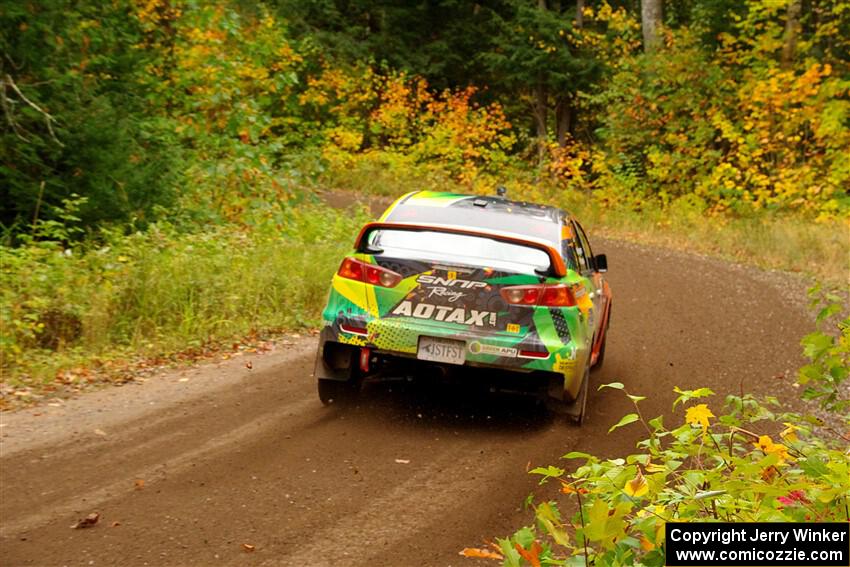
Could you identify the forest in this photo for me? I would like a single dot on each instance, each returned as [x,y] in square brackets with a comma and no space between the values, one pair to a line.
[155,152]
[168,177]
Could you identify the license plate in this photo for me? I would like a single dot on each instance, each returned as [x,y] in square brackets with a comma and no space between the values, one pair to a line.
[441,350]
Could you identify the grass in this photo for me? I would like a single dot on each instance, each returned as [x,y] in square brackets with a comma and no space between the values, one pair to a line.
[820,251]
[152,294]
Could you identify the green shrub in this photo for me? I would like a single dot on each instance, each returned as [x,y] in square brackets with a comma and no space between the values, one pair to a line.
[161,291]
[754,462]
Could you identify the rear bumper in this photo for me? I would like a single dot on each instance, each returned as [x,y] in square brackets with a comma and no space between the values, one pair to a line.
[399,338]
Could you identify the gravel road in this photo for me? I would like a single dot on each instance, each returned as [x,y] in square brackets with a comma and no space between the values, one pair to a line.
[190,465]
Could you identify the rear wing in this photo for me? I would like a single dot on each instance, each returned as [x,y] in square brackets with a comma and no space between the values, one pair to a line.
[558,268]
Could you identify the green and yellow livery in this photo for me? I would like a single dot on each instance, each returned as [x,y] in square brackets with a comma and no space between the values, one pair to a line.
[454,281]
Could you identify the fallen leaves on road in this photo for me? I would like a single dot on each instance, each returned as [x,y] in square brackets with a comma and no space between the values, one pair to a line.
[139,483]
[127,366]
[86,522]
[249,365]
[248,547]
[100,432]
[403,461]
[482,553]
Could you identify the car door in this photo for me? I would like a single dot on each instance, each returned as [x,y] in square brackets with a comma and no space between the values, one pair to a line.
[584,266]
[599,291]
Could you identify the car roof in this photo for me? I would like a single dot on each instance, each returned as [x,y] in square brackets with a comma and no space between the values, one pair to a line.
[474,211]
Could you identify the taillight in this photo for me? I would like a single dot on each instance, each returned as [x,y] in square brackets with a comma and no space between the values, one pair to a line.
[368,273]
[549,295]
[538,354]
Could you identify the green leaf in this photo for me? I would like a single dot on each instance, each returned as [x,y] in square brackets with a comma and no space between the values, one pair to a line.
[828,311]
[525,536]
[547,472]
[625,420]
[549,517]
[708,494]
[577,455]
[615,385]
[597,517]
[815,344]
[512,557]
[688,395]
[814,467]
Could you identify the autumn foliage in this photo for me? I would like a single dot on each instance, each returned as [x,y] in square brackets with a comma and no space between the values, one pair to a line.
[756,461]
[163,126]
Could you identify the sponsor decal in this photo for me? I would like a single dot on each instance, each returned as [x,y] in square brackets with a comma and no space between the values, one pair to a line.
[449,282]
[451,296]
[446,314]
[476,347]
[512,328]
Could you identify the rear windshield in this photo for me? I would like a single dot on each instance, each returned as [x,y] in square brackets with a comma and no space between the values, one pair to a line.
[459,249]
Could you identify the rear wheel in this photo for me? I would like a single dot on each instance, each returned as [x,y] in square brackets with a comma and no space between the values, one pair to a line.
[575,410]
[338,391]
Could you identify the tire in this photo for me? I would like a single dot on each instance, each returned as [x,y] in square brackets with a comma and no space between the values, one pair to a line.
[600,358]
[576,410]
[341,392]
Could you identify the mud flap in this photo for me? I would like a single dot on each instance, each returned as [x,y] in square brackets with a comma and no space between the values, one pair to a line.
[337,371]
[335,361]
[573,410]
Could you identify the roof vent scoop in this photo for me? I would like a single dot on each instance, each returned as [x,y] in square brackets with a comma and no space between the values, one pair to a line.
[501,191]
[480,202]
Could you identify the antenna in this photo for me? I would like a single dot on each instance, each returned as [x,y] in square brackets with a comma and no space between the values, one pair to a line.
[501,191]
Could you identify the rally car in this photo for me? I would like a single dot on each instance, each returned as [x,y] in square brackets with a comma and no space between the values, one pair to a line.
[447,281]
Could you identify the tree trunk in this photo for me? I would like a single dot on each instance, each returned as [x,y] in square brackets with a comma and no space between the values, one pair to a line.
[792,29]
[650,15]
[579,13]
[565,119]
[540,109]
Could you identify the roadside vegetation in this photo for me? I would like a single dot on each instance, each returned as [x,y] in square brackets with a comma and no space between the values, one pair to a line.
[758,460]
[160,159]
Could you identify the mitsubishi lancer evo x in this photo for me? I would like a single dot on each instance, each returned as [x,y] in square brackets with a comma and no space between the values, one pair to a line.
[463,282]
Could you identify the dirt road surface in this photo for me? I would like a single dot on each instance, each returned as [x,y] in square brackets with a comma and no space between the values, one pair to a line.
[186,468]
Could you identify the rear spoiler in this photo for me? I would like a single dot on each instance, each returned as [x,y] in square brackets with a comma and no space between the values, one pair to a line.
[558,268]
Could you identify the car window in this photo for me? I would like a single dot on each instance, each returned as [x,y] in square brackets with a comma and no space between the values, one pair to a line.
[568,247]
[585,254]
[459,248]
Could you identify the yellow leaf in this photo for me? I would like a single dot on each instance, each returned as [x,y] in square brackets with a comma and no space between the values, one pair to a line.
[698,415]
[765,443]
[790,433]
[636,487]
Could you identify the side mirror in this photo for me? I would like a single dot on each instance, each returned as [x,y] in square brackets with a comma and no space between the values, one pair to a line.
[600,261]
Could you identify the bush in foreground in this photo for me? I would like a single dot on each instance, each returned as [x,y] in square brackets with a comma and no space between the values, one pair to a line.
[754,462]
